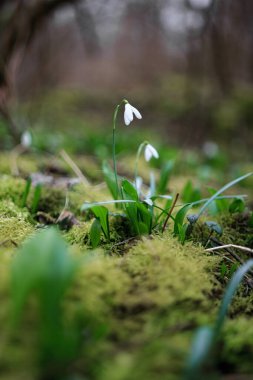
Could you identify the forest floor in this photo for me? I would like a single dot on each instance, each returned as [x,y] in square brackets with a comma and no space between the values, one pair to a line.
[135,302]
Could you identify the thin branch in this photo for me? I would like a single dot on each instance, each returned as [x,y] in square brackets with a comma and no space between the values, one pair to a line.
[246,249]
[74,167]
[170,212]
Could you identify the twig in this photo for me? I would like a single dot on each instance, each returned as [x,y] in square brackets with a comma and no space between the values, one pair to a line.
[170,212]
[124,241]
[246,249]
[227,247]
[74,167]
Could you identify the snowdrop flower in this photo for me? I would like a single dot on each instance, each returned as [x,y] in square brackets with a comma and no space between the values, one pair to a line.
[148,201]
[26,139]
[145,198]
[210,149]
[130,112]
[150,152]
[138,184]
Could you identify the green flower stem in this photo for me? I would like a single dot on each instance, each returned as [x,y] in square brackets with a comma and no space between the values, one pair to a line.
[124,101]
[141,147]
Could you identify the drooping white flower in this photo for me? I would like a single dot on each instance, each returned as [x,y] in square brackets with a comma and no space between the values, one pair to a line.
[26,139]
[150,152]
[138,184]
[148,201]
[146,198]
[130,112]
[210,149]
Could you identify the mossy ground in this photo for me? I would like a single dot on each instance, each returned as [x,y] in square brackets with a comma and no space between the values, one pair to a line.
[147,298]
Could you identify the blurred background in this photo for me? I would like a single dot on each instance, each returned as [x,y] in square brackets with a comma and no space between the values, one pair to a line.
[187,65]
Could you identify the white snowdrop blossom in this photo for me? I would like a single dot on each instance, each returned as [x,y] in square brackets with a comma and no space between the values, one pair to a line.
[150,152]
[148,201]
[138,184]
[26,139]
[130,112]
[146,198]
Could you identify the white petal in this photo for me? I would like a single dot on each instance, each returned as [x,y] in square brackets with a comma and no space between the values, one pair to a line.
[128,114]
[26,139]
[136,112]
[147,153]
[148,201]
[138,184]
[153,151]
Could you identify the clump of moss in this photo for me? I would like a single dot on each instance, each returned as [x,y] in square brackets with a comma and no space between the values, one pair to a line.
[52,200]
[79,234]
[151,299]
[12,189]
[237,229]
[15,223]
[236,346]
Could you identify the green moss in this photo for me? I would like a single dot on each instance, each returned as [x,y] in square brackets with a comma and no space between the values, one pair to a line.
[15,224]
[152,299]
[79,234]
[12,189]
[237,229]
[25,163]
[237,348]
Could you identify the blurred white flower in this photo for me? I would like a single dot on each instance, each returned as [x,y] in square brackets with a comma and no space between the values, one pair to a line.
[148,201]
[26,139]
[150,152]
[210,149]
[138,184]
[130,112]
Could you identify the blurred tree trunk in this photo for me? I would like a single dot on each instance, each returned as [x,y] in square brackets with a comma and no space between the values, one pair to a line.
[86,24]
[19,22]
[142,39]
[220,43]
[214,42]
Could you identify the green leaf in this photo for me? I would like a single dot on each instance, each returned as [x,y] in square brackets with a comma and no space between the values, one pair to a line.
[218,205]
[143,228]
[202,344]
[190,194]
[43,266]
[101,213]
[131,210]
[36,198]
[87,206]
[182,232]
[26,192]
[95,233]
[238,205]
[145,215]
[129,190]
[179,219]
[165,176]
[110,179]
[224,188]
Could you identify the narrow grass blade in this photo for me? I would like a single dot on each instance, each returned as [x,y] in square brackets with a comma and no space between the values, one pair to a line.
[224,188]
[87,206]
[206,337]
[200,349]
[36,198]
[230,292]
[26,192]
